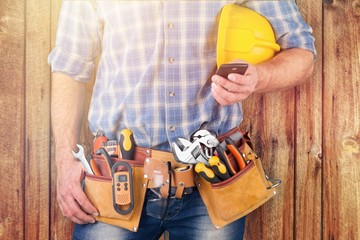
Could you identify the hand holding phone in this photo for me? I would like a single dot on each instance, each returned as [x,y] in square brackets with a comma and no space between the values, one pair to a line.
[225,69]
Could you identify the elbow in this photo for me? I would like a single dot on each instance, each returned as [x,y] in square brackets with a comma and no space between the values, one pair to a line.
[311,66]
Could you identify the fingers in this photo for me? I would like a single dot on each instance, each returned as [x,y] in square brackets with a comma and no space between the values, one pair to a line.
[236,88]
[70,209]
[224,96]
[233,90]
[72,200]
[75,205]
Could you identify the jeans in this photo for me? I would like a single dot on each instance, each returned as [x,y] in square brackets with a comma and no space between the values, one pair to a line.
[186,218]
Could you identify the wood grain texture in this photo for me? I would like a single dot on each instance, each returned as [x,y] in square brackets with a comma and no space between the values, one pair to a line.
[317,123]
[12,120]
[270,118]
[341,120]
[37,165]
[308,150]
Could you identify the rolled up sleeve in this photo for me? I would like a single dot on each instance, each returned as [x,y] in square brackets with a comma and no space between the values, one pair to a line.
[78,40]
[291,30]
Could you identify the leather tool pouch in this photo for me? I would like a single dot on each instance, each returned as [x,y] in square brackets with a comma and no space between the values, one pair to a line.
[99,189]
[100,192]
[237,196]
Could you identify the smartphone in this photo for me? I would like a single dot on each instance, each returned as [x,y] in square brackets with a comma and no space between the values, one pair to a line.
[225,69]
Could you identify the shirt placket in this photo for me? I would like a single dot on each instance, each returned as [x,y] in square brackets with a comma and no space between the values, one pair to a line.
[171,66]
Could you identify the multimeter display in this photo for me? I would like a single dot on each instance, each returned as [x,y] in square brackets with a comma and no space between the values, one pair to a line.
[122,178]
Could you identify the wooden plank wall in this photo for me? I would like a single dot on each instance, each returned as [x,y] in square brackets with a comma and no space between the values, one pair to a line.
[309,136]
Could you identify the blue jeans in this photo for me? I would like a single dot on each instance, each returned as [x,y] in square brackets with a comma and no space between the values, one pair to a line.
[186,219]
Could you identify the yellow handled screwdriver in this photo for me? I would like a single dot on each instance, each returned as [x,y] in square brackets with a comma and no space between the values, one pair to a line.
[219,167]
[127,144]
[207,173]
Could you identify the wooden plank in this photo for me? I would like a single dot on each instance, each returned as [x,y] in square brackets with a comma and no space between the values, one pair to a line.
[37,170]
[60,227]
[308,163]
[12,118]
[275,145]
[341,120]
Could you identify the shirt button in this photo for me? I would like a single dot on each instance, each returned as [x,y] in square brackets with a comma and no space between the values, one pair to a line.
[171,94]
[171,60]
[170,25]
[172,128]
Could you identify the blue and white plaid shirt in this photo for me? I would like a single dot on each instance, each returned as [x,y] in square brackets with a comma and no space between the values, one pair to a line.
[156,61]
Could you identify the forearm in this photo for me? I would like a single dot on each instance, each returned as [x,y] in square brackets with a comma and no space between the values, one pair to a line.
[285,70]
[67,110]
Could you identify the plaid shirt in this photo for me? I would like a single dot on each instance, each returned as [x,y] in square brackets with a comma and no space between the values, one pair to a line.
[156,61]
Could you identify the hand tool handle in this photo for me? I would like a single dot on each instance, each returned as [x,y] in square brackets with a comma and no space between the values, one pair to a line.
[107,158]
[94,167]
[232,168]
[219,167]
[127,144]
[86,165]
[98,141]
[206,173]
[236,152]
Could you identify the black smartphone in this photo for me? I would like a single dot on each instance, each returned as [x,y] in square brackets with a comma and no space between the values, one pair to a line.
[227,68]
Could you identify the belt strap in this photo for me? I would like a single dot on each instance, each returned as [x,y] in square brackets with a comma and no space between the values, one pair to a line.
[182,176]
[156,171]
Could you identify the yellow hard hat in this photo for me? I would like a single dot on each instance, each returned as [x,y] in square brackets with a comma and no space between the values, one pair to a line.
[244,34]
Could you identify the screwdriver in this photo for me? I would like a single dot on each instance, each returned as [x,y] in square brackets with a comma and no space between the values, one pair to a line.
[127,144]
[207,173]
[219,167]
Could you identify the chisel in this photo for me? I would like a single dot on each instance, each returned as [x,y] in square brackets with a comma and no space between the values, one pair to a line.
[219,167]
[127,144]
[207,173]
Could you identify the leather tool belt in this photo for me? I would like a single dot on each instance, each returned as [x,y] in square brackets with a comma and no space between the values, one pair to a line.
[150,170]
[226,201]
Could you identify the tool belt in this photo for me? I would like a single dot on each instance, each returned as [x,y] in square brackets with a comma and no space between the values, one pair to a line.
[226,201]
[245,191]
[147,168]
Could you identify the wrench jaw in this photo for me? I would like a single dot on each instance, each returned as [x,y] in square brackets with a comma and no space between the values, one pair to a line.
[81,156]
[190,157]
[79,153]
[180,157]
[199,150]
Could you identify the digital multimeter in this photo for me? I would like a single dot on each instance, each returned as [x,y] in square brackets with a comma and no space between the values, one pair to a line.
[123,196]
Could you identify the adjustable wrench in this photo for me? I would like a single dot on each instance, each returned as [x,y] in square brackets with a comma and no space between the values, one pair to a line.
[80,155]
[199,150]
